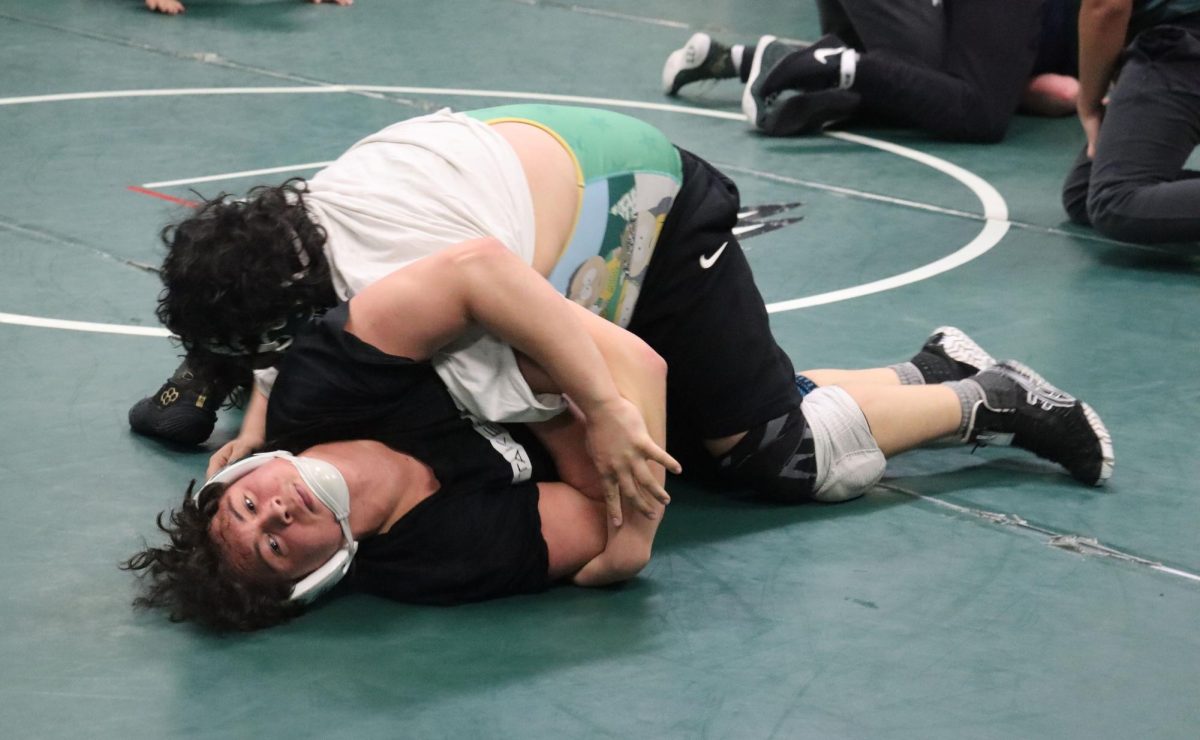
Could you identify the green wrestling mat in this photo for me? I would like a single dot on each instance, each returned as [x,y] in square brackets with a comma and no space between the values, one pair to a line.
[972,595]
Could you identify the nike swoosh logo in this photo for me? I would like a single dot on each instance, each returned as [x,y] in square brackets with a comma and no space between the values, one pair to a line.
[822,55]
[710,260]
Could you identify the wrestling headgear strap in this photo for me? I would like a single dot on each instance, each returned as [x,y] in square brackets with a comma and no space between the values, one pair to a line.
[275,338]
[330,489]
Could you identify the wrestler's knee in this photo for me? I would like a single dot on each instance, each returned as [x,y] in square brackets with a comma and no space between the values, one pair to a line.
[820,451]
[1108,213]
[977,120]
[848,458]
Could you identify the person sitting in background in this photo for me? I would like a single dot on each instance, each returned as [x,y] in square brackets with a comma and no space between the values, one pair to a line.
[1129,182]
[956,70]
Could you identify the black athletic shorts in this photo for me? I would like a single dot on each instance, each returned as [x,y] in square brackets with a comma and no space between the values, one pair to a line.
[700,309]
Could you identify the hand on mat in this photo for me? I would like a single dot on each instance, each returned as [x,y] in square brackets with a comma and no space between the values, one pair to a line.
[624,454]
[230,452]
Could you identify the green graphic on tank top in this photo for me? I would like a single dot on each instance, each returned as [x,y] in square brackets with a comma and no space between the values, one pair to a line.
[629,173]
[619,225]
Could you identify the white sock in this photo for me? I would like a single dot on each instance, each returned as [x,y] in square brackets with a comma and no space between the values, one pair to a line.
[735,52]
[849,66]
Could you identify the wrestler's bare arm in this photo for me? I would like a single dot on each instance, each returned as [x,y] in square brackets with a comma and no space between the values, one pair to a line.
[415,311]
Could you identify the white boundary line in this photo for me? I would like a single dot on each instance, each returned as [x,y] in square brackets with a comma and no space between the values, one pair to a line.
[994,207]
[243,173]
[327,89]
[995,211]
[44,323]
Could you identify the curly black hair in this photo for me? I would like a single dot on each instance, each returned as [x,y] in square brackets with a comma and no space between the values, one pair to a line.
[241,267]
[190,580]
[223,375]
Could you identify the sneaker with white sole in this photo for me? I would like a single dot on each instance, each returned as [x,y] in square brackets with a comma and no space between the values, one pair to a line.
[1020,409]
[701,58]
[779,67]
[767,52]
[949,354]
[827,64]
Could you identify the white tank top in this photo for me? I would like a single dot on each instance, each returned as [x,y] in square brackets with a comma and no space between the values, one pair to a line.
[415,188]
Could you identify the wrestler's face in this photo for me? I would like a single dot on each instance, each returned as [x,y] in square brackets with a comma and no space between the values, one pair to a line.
[270,527]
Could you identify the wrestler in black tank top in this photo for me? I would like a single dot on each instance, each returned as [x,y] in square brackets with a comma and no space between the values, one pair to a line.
[478,536]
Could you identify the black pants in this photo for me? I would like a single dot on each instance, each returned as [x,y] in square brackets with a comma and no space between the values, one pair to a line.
[955,69]
[1136,189]
[701,311]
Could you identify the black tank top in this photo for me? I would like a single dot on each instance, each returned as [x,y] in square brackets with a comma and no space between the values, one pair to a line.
[479,535]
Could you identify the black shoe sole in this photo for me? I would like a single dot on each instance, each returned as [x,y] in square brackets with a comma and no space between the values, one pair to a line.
[795,113]
[180,424]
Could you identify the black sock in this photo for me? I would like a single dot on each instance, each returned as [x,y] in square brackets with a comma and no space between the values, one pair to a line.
[937,368]
[747,62]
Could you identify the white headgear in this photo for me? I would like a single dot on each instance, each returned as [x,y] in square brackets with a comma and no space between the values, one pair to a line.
[330,488]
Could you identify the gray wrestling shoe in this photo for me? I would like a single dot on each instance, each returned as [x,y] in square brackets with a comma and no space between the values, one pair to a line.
[1021,409]
[701,58]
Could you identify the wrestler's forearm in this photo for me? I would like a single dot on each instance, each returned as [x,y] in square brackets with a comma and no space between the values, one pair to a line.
[625,555]
[1102,28]
[254,420]
[639,372]
[249,439]
[563,437]
[418,310]
[641,377]
[550,330]
[518,305]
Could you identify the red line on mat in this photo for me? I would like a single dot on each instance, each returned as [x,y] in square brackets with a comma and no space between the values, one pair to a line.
[164,196]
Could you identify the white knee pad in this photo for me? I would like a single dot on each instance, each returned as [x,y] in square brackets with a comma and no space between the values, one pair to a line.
[849,460]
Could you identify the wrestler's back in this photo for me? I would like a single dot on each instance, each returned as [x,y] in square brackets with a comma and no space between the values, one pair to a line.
[553,185]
